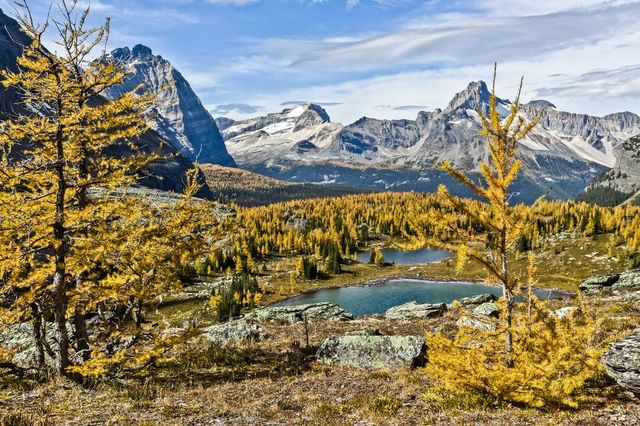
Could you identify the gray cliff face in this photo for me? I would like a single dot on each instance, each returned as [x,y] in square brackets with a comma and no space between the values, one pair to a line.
[166,175]
[180,116]
[625,175]
[11,39]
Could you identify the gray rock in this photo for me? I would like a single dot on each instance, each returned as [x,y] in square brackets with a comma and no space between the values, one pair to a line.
[477,300]
[312,312]
[625,280]
[19,339]
[629,279]
[365,332]
[298,223]
[565,312]
[477,323]
[622,362]
[234,331]
[488,309]
[598,282]
[373,352]
[413,310]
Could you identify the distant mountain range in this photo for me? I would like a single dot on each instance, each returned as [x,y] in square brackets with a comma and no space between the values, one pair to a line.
[563,154]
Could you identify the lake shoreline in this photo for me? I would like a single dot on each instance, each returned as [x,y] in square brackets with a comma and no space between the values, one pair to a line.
[386,279]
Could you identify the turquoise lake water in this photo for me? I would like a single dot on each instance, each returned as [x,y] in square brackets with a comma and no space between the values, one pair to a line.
[376,299]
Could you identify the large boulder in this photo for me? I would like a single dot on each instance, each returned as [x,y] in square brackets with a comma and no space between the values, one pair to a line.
[479,324]
[313,312]
[373,352]
[625,280]
[622,362]
[629,279]
[234,332]
[18,338]
[477,300]
[488,309]
[414,310]
[598,282]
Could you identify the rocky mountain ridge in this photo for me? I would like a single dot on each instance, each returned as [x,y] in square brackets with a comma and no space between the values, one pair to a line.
[560,156]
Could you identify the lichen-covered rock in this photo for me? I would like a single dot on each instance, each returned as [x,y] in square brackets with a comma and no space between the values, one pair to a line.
[629,279]
[373,352]
[234,331]
[414,310]
[622,362]
[477,300]
[18,338]
[311,312]
[598,282]
[488,309]
[477,323]
[625,280]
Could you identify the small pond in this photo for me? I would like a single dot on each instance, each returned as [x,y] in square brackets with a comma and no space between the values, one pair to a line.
[401,257]
[376,299]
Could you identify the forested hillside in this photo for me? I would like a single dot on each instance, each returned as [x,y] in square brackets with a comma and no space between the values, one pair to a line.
[230,185]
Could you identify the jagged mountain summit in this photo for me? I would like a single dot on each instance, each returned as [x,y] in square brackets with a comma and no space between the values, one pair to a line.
[180,117]
[560,156]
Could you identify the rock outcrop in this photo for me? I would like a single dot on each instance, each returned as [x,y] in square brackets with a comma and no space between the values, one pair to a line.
[373,352]
[623,180]
[290,314]
[477,300]
[414,310]
[484,324]
[236,331]
[625,280]
[19,339]
[622,362]
[488,309]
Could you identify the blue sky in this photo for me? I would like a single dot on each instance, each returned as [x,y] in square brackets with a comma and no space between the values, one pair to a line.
[386,58]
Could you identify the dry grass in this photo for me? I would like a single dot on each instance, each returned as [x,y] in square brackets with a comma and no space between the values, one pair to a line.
[276,382]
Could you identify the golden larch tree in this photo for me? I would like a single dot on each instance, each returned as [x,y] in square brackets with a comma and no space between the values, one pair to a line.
[502,223]
[51,156]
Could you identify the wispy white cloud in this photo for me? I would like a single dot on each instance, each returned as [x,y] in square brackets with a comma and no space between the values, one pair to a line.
[604,83]
[464,41]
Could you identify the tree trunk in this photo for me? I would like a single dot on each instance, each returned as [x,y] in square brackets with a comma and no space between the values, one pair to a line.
[59,243]
[81,336]
[37,334]
[508,297]
[60,317]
